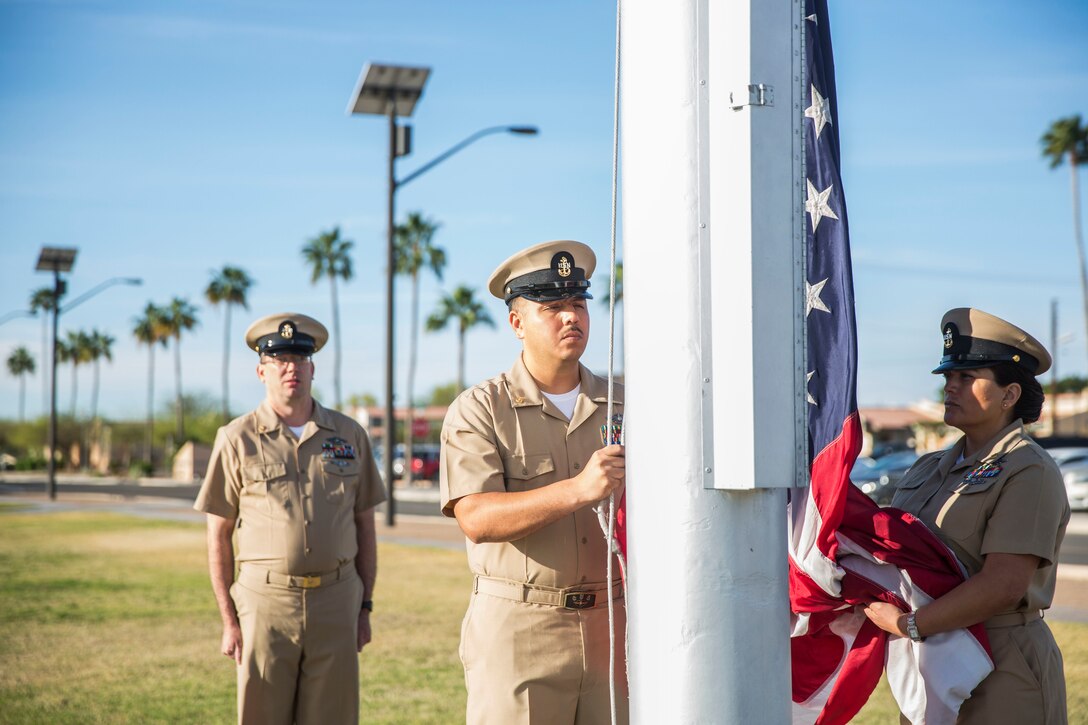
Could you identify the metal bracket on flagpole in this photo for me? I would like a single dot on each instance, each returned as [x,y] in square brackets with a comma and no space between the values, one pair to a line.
[753,94]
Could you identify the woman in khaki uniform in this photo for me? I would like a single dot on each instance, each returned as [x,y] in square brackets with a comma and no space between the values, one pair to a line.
[997,500]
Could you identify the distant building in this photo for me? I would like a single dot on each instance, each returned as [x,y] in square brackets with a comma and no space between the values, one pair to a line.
[191,461]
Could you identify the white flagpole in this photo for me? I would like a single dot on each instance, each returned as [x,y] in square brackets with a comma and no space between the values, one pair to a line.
[714,406]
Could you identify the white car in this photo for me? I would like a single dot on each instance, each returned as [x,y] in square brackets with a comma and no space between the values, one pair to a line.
[1073,462]
[1076,486]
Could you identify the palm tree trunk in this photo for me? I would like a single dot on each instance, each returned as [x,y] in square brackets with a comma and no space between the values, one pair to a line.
[461,358]
[180,414]
[1078,236]
[226,365]
[92,431]
[75,382]
[45,356]
[22,398]
[336,342]
[412,352]
[149,433]
[94,391]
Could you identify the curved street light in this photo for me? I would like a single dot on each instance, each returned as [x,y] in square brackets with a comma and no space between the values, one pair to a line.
[522,130]
[135,281]
[391,91]
[49,263]
[15,314]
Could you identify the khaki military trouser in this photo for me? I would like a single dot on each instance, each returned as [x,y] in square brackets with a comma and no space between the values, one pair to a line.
[299,662]
[1028,681]
[536,663]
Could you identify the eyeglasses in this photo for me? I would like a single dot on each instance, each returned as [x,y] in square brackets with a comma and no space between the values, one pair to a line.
[282,361]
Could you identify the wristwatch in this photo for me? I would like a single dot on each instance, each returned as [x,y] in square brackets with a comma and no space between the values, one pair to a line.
[368,605]
[912,628]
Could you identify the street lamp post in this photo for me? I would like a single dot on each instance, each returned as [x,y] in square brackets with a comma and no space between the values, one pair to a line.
[57,260]
[391,91]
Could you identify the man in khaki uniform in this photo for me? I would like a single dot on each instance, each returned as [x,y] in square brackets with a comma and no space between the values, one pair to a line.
[522,467]
[297,484]
[998,501]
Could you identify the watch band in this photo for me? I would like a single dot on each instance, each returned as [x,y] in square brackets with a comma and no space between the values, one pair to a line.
[912,628]
[368,605]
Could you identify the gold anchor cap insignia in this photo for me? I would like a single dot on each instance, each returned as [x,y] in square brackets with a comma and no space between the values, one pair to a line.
[947,338]
[564,267]
[287,330]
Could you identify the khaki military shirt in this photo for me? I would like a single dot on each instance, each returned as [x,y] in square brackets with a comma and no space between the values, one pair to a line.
[1007,498]
[295,499]
[504,435]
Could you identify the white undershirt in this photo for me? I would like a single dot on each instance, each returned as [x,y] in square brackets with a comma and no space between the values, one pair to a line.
[297,430]
[565,401]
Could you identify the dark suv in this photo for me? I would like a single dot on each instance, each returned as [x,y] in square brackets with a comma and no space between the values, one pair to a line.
[424,461]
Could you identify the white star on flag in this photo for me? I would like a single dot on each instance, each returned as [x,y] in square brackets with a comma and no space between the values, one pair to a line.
[812,297]
[808,395]
[819,111]
[816,205]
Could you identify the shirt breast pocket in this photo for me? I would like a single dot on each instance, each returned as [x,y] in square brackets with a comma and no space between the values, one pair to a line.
[525,472]
[265,484]
[964,514]
[340,479]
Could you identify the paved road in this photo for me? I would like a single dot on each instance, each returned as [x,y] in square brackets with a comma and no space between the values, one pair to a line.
[419,522]
[414,501]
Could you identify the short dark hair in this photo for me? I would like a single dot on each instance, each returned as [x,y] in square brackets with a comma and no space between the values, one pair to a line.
[1030,405]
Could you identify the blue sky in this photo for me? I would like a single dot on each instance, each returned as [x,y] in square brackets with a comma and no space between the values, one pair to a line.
[167,139]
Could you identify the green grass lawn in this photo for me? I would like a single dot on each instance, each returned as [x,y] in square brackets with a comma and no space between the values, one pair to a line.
[110,619]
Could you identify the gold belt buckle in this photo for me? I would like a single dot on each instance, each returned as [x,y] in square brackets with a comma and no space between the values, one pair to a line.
[309,582]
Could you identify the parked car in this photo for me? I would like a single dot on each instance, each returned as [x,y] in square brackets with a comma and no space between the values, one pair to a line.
[878,478]
[1073,463]
[424,461]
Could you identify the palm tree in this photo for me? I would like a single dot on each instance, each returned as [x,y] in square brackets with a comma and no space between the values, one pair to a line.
[229,286]
[414,251]
[462,306]
[20,364]
[75,349]
[619,287]
[44,300]
[327,255]
[618,306]
[177,317]
[1068,138]
[101,346]
[149,330]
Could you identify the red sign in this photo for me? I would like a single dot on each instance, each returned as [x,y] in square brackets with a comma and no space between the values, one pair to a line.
[420,427]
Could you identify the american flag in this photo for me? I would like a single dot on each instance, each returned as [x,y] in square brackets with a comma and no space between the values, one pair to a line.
[845,550]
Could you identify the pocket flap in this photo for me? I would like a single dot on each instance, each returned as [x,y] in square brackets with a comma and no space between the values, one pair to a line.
[264,471]
[528,466]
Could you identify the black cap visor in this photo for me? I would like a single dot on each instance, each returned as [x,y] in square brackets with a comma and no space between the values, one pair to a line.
[274,344]
[549,291]
[976,353]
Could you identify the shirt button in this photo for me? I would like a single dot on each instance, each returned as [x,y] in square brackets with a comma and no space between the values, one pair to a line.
[307,550]
[585,540]
[583,579]
[577,466]
[307,523]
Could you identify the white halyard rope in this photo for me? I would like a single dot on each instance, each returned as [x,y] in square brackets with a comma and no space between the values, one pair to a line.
[609,529]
